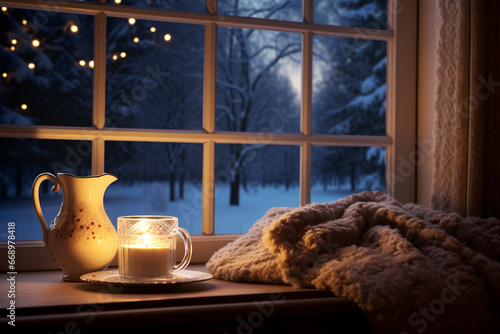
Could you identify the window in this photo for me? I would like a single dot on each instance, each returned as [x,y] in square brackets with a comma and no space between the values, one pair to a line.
[204,114]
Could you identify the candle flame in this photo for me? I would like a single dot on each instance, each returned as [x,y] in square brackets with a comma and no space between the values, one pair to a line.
[147,239]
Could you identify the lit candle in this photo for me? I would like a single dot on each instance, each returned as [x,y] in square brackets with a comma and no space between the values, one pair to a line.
[146,246]
[145,259]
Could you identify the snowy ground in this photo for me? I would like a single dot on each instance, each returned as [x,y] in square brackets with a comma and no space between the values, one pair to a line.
[153,199]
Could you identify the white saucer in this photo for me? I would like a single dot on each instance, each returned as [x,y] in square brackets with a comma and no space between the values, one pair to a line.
[113,277]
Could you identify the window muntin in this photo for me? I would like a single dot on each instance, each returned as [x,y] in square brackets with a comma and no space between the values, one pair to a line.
[355,140]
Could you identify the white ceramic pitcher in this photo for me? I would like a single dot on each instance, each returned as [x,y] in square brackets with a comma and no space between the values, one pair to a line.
[81,238]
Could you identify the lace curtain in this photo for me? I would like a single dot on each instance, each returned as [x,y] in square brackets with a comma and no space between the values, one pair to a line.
[463,87]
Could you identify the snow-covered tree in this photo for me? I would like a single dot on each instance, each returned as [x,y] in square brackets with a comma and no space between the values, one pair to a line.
[351,99]
[249,84]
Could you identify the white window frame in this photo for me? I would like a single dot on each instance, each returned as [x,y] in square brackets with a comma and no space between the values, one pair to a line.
[399,141]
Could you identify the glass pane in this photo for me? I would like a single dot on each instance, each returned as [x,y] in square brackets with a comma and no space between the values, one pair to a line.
[188,5]
[49,55]
[23,160]
[157,179]
[289,10]
[341,171]
[349,86]
[366,14]
[251,179]
[258,81]
[154,74]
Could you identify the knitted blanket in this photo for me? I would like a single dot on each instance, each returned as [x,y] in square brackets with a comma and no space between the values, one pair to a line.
[408,268]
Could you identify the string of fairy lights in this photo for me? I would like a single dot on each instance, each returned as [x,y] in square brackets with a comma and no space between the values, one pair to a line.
[73,28]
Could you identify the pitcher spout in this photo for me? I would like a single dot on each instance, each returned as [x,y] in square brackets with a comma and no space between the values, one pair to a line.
[103,181]
[107,178]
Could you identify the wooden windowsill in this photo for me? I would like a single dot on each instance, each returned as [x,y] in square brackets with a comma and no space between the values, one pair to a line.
[44,302]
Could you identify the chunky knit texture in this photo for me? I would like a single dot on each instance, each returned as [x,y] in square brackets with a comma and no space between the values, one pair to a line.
[407,267]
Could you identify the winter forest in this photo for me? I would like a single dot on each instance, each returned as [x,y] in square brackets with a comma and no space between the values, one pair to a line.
[154,80]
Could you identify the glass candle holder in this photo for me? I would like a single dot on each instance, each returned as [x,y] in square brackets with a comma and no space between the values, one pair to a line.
[147,246]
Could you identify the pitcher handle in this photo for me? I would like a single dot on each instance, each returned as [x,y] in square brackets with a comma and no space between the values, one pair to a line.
[36,202]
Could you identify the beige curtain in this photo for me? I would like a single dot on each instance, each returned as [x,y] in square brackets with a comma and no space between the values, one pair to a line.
[459,116]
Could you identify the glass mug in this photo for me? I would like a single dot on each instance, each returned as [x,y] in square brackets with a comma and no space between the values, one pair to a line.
[146,246]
